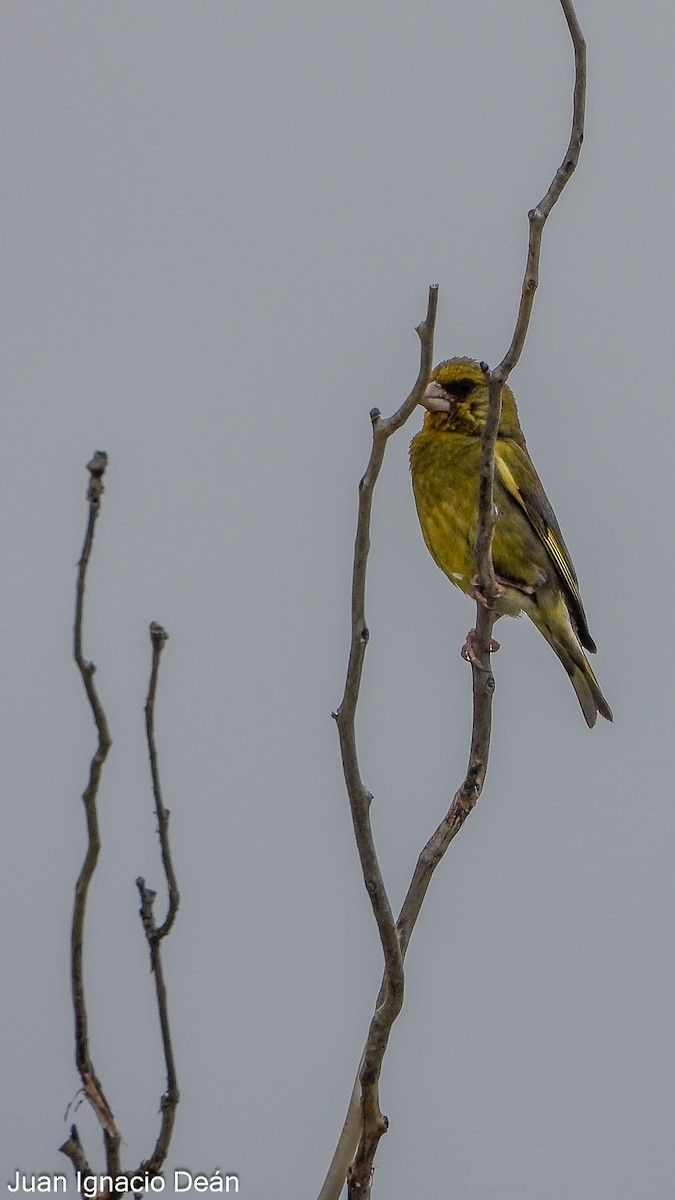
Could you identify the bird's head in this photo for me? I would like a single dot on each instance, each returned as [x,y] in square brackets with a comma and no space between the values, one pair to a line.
[457,397]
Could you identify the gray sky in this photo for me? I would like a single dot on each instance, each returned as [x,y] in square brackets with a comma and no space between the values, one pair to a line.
[220,222]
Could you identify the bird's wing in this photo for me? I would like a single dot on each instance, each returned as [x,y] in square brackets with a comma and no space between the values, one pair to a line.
[519,478]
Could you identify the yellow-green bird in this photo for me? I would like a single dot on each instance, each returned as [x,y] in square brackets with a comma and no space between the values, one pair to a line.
[532,564]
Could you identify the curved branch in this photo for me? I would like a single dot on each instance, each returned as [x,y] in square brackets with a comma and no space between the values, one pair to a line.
[91,1084]
[159,638]
[373,1124]
[154,934]
[537,216]
[487,516]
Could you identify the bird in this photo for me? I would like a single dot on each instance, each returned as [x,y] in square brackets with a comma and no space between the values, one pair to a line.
[533,569]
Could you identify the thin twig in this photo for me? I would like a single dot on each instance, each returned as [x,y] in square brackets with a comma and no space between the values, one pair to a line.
[155,934]
[537,216]
[354,1130]
[158,638]
[91,1085]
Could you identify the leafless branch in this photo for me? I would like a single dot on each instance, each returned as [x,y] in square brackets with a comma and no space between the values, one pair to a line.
[74,1150]
[373,1123]
[159,638]
[537,218]
[153,933]
[91,1085]
[364,1123]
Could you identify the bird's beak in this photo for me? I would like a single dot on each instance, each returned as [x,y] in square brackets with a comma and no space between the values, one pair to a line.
[435,398]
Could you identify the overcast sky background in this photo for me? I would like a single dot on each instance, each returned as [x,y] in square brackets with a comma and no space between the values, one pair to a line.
[220,221]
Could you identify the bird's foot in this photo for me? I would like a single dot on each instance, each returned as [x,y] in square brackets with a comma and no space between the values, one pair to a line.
[500,590]
[469,652]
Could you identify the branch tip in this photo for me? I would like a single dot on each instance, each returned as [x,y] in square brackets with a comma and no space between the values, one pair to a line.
[98,463]
[158,635]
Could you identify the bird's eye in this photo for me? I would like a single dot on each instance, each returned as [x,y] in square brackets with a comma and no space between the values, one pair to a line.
[460,387]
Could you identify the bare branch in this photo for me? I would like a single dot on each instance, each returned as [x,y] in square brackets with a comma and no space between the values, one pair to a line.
[363,1116]
[90,1083]
[159,637]
[153,933]
[373,1123]
[537,217]
[463,802]
[74,1150]
[171,1096]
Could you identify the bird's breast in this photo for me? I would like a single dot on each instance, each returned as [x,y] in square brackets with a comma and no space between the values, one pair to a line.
[444,471]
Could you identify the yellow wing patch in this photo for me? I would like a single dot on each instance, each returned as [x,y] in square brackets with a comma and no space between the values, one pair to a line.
[562,563]
[541,526]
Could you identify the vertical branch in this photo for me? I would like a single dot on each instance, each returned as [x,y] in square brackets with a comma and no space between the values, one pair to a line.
[72,1147]
[483,680]
[91,1085]
[373,1124]
[361,1125]
[537,218]
[153,933]
[158,638]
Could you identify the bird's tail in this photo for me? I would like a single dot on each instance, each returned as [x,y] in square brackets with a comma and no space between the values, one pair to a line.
[588,692]
[559,633]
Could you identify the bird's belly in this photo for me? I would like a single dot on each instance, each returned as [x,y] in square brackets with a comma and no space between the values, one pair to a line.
[445,485]
[450,534]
